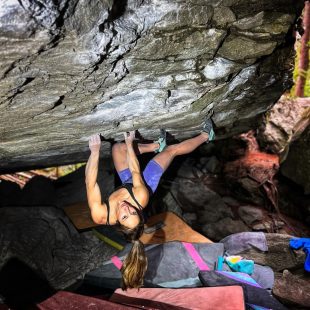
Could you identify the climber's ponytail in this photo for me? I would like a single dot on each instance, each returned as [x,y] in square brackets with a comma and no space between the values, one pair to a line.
[135,264]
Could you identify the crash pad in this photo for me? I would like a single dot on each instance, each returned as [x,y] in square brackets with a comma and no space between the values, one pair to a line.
[173,229]
[68,300]
[210,298]
[169,265]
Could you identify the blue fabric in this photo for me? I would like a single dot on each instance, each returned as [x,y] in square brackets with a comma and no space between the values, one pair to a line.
[254,307]
[151,174]
[303,243]
[220,261]
[125,176]
[244,265]
[241,277]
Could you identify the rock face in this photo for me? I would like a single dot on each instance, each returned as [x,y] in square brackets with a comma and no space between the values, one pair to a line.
[69,69]
[291,289]
[297,163]
[286,131]
[283,124]
[45,240]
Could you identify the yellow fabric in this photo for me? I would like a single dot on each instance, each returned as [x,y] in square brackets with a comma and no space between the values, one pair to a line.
[233,259]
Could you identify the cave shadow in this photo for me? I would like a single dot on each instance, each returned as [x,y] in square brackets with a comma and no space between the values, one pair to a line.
[117,10]
[21,287]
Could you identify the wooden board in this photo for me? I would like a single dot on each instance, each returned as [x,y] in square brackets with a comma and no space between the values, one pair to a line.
[175,229]
[79,214]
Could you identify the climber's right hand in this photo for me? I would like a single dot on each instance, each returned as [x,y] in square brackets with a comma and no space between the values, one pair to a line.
[94,143]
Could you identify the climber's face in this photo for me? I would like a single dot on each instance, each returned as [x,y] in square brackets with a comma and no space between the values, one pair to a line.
[127,215]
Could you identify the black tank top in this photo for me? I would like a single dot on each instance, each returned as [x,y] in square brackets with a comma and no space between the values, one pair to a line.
[129,187]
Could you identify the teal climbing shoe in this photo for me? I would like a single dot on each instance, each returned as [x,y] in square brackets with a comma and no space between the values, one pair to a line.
[161,141]
[208,126]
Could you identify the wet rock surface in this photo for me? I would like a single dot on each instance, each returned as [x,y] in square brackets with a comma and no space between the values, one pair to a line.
[69,69]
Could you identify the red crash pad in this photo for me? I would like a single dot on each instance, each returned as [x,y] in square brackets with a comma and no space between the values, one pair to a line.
[67,300]
[202,298]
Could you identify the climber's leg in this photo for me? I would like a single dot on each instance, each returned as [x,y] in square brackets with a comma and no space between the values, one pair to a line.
[119,155]
[165,158]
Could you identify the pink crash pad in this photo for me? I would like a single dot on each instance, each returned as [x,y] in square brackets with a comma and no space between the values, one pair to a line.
[204,298]
[67,300]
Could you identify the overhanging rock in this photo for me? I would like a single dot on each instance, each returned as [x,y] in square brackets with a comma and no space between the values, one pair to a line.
[73,68]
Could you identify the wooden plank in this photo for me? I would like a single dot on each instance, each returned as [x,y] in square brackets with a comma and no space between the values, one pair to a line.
[79,214]
[175,229]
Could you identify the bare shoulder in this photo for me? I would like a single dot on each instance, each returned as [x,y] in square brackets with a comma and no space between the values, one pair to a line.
[99,213]
[142,195]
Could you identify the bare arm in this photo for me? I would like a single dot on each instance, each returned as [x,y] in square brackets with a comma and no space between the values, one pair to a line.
[134,167]
[132,159]
[98,211]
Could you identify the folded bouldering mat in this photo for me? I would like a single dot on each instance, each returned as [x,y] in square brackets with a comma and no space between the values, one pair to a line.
[170,228]
[211,298]
[173,265]
[255,295]
[169,265]
[68,300]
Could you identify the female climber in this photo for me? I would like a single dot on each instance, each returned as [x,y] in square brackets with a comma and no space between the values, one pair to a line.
[124,206]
